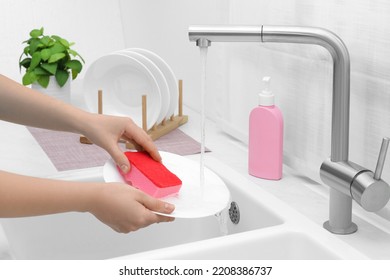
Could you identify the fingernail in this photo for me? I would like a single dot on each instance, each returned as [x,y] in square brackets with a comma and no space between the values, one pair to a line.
[124,168]
[169,207]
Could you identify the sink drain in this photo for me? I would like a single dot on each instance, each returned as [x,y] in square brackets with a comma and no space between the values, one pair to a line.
[234,213]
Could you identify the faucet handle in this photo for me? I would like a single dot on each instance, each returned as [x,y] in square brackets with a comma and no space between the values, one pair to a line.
[381,158]
[368,189]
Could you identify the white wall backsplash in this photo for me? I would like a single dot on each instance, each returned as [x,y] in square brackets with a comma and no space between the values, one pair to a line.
[163,29]
[95,27]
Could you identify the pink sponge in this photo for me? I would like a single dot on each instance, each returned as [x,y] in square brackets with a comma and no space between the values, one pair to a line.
[150,176]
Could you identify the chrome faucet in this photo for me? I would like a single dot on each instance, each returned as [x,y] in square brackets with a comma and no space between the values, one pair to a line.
[346,179]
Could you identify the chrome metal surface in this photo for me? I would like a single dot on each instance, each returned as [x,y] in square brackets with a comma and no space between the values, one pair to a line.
[352,228]
[225,33]
[370,193]
[203,43]
[234,213]
[381,158]
[340,174]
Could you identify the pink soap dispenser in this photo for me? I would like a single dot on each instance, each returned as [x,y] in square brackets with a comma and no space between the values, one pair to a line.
[266,137]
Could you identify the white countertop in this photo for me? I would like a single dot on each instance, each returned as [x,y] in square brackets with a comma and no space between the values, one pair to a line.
[21,154]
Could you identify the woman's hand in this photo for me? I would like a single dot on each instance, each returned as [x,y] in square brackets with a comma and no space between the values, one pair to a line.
[118,205]
[127,209]
[105,131]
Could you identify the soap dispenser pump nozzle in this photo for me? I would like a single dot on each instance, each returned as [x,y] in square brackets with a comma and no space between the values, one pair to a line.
[266,97]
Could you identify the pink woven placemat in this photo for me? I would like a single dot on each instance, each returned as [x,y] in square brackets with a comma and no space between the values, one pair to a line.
[67,153]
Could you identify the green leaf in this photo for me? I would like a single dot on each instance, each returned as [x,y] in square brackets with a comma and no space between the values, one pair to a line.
[25,62]
[57,38]
[51,43]
[64,42]
[45,54]
[46,40]
[57,48]
[55,57]
[50,67]
[26,79]
[74,74]
[44,80]
[35,60]
[35,33]
[75,54]
[39,71]
[26,50]
[74,65]
[29,78]
[34,45]
[61,77]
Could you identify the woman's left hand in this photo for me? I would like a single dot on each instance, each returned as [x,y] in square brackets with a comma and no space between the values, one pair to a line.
[105,131]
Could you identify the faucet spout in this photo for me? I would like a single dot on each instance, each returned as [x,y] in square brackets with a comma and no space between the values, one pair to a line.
[203,43]
[225,33]
[338,172]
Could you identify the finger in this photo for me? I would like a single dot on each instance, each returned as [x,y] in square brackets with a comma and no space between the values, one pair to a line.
[151,148]
[154,154]
[143,139]
[125,139]
[157,205]
[162,218]
[157,217]
[137,146]
[120,159]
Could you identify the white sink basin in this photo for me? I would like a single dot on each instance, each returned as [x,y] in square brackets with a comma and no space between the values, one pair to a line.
[268,229]
[279,243]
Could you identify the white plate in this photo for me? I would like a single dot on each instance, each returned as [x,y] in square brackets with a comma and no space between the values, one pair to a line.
[123,80]
[191,201]
[169,76]
[161,81]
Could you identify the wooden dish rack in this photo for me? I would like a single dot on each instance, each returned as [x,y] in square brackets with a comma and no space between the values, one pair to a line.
[157,130]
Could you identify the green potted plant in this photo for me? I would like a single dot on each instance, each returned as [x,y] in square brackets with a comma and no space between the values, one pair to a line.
[48,58]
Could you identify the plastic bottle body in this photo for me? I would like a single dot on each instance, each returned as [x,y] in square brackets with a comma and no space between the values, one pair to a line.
[265,158]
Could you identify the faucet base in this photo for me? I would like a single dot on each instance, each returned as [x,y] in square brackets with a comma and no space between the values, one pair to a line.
[351,229]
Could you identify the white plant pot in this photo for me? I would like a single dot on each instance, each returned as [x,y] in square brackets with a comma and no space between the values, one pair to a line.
[54,90]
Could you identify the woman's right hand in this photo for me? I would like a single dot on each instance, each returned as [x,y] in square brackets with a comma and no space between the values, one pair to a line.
[125,208]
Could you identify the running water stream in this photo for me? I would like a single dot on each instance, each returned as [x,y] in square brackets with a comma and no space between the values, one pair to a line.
[203,59]
[221,216]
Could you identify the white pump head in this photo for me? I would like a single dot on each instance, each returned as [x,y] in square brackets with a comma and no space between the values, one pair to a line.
[266,97]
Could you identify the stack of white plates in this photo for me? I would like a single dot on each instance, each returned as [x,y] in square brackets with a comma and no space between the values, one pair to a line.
[124,76]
